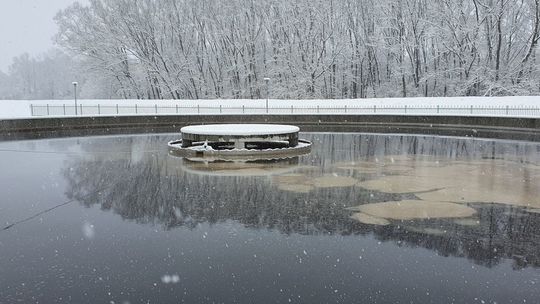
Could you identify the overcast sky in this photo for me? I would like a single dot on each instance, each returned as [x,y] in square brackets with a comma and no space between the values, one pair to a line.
[27,26]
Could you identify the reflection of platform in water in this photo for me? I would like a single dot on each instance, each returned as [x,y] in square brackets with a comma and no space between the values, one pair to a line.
[240,141]
[239,167]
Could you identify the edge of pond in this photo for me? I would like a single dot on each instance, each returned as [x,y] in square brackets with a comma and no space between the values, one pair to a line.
[510,128]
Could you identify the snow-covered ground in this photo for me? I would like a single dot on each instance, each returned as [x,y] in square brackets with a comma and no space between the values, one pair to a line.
[491,106]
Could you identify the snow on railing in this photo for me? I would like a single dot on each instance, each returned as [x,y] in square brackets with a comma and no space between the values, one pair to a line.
[116,109]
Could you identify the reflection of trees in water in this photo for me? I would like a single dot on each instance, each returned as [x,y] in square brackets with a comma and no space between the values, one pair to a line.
[152,187]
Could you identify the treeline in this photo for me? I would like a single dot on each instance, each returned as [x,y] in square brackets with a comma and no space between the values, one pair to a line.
[44,77]
[308,48]
[50,76]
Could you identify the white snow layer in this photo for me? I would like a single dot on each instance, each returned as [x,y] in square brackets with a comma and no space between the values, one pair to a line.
[240,129]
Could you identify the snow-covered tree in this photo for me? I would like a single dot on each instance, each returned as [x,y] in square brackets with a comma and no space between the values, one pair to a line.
[309,49]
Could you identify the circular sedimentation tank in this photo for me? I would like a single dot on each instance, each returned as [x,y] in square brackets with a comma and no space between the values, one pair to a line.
[101,208]
[239,141]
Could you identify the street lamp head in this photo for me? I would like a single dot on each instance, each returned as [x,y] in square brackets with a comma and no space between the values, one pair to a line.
[75,83]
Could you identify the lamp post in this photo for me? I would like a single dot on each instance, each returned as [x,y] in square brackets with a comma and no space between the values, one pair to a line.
[75,94]
[267,80]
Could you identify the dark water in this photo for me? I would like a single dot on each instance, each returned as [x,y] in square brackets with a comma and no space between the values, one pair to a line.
[118,220]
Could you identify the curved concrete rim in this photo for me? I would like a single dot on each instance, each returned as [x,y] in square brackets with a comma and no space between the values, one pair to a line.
[508,128]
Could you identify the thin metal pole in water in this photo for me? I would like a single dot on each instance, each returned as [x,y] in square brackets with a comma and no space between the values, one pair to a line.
[75,95]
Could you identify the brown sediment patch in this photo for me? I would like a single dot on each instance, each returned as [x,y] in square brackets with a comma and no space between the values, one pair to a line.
[443,171]
[415,160]
[372,167]
[333,181]
[401,158]
[290,179]
[486,181]
[488,191]
[415,209]
[365,170]
[370,220]
[467,222]
[403,184]
[293,183]
[303,184]
[298,188]
[357,164]
[307,168]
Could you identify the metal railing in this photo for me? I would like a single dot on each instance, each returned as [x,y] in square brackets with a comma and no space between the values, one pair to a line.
[136,109]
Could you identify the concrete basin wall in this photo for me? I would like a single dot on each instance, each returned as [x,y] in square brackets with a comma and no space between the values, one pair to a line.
[472,126]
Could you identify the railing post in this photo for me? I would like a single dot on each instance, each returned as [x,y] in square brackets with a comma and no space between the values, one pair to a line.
[345,108]
[117,112]
[405,109]
[471,109]
[47,109]
[292,109]
[198,109]
[318,110]
[220,109]
[64,106]
[31,110]
[176,108]
[438,109]
[243,109]
[506,110]
[155,107]
[136,109]
[81,108]
[374,109]
[99,109]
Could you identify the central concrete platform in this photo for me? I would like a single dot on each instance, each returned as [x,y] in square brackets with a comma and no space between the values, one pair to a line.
[242,136]
[239,141]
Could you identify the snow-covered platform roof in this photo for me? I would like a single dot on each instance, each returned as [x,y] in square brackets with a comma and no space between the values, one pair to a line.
[240,129]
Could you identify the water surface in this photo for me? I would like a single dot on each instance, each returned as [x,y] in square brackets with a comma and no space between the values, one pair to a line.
[363,218]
